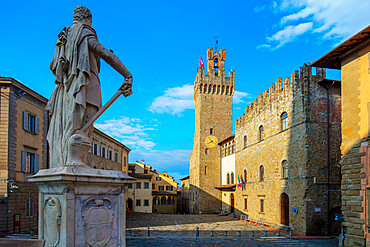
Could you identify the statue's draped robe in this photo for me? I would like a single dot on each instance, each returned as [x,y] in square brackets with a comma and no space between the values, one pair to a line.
[76,70]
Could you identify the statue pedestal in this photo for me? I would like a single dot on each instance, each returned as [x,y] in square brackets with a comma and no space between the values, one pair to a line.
[82,206]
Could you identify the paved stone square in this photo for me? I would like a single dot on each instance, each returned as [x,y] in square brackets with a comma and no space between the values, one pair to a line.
[180,230]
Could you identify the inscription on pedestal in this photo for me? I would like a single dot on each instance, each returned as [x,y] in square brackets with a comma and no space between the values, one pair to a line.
[52,218]
[97,215]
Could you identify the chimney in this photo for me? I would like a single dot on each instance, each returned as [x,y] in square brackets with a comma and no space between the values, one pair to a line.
[142,161]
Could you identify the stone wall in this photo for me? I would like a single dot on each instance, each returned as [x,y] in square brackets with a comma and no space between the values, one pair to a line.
[303,145]
[355,168]
[213,110]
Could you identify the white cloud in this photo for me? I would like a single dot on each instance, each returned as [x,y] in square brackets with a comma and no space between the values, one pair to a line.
[289,33]
[336,20]
[175,162]
[174,100]
[130,131]
[241,97]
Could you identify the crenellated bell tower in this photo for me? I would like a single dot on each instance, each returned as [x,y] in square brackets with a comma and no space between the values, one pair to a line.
[213,97]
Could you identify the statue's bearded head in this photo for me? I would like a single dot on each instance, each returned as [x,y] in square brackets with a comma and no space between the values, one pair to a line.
[81,13]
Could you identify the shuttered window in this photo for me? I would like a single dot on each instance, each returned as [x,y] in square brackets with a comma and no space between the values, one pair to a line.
[31,123]
[30,162]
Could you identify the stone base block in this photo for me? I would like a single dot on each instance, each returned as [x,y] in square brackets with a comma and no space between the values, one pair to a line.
[81,206]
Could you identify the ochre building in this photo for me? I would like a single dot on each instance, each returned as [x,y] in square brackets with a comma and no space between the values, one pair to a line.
[353,58]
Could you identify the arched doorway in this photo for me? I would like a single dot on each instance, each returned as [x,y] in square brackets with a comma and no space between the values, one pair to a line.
[284,209]
[129,204]
[232,202]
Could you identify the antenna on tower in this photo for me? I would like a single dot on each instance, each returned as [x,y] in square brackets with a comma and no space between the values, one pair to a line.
[216,39]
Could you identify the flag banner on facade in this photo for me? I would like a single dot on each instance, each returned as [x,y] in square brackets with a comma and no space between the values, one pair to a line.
[239,181]
[201,65]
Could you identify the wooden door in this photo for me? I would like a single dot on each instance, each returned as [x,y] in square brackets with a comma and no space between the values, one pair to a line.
[232,202]
[284,209]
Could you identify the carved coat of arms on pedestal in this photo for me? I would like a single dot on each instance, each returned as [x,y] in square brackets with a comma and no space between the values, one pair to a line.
[52,218]
[97,215]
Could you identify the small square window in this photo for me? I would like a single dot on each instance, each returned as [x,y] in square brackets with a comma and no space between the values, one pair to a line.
[146,203]
[138,202]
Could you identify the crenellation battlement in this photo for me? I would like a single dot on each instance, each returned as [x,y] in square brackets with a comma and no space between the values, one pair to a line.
[280,89]
[215,82]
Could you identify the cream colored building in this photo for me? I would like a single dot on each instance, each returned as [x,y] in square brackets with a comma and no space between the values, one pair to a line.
[228,180]
[140,193]
[107,153]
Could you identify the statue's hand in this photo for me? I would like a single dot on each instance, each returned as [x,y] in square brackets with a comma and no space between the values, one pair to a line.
[126,87]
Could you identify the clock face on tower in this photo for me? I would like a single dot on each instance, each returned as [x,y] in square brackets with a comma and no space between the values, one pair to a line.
[211,141]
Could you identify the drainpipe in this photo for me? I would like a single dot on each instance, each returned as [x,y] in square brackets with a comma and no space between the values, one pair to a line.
[328,148]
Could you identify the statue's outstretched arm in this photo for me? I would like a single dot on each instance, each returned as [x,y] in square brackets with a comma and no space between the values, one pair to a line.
[109,57]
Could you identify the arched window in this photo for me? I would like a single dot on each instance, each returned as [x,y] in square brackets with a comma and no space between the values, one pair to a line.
[169,200]
[233,147]
[232,178]
[215,63]
[228,178]
[245,141]
[29,207]
[163,200]
[284,165]
[156,200]
[173,200]
[284,121]
[245,179]
[228,149]
[262,174]
[260,133]
[214,89]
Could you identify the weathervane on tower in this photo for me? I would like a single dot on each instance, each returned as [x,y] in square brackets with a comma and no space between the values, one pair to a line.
[216,38]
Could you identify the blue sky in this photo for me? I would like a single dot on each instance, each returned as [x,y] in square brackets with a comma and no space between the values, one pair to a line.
[161,42]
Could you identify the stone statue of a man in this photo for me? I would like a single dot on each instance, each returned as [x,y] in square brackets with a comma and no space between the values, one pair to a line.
[77,96]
